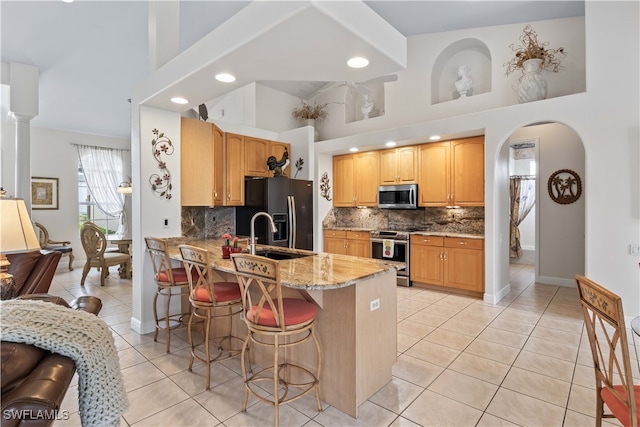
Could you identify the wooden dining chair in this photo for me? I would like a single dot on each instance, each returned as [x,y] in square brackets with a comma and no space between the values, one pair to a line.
[604,322]
[62,246]
[95,244]
[279,323]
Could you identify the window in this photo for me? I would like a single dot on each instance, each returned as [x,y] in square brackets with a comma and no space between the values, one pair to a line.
[88,209]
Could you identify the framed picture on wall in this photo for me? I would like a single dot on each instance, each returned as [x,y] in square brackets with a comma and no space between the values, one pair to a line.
[44,193]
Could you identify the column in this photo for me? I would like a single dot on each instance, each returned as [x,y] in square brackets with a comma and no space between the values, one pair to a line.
[23,157]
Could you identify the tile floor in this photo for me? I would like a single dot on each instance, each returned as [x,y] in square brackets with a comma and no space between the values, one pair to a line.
[525,361]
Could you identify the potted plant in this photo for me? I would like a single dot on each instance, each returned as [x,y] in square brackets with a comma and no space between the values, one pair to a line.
[227,249]
[532,56]
[310,113]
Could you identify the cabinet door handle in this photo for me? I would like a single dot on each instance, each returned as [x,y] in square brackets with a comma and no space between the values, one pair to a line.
[228,196]
[462,243]
[427,240]
[445,256]
[215,194]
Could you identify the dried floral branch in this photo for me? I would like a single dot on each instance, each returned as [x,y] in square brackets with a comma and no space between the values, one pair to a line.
[308,111]
[531,48]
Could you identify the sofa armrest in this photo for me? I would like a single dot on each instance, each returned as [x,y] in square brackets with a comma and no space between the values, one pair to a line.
[39,397]
[39,275]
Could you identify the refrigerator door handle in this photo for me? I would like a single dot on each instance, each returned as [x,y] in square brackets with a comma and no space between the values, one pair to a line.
[291,202]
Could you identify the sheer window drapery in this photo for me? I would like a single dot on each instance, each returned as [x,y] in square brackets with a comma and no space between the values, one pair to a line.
[522,191]
[104,170]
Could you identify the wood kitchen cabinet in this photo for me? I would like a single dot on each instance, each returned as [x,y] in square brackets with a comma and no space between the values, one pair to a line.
[448,261]
[234,173]
[355,243]
[257,151]
[355,178]
[201,163]
[399,165]
[451,173]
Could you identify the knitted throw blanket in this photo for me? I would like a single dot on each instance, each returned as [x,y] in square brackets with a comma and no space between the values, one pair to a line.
[84,338]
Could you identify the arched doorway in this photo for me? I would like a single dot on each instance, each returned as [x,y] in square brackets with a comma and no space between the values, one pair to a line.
[554,239]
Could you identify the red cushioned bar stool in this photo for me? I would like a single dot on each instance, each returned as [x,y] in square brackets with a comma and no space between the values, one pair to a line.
[211,301]
[171,282]
[280,323]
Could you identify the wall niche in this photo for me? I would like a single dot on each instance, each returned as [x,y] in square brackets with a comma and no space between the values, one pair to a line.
[469,52]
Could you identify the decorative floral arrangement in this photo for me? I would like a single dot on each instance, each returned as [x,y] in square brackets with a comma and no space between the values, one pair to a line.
[299,164]
[308,111]
[531,48]
[227,240]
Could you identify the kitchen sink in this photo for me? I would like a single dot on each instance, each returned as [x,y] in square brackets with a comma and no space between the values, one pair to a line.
[279,255]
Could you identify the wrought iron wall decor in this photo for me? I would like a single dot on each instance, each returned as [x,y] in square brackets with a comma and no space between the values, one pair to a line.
[325,188]
[161,185]
[564,186]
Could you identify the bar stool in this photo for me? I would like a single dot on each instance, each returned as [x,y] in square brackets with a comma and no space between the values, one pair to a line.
[284,322]
[168,279]
[210,301]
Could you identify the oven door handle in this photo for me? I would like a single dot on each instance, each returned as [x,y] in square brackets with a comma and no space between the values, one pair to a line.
[397,242]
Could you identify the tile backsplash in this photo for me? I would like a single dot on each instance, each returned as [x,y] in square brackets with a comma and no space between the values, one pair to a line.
[208,223]
[458,220]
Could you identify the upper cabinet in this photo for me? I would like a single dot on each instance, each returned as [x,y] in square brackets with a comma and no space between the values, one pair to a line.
[452,173]
[201,163]
[257,151]
[399,165]
[355,179]
[234,176]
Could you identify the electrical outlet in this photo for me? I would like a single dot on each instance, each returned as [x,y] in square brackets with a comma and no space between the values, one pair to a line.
[374,304]
[165,222]
[634,250]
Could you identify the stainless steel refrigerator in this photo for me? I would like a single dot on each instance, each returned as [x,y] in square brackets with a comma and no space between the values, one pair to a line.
[288,201]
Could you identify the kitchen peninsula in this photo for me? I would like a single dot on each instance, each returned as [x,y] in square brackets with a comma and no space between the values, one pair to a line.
[356,321]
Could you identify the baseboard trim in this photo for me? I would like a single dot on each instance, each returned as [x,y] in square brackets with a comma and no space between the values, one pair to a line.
[496,298]
[545,280]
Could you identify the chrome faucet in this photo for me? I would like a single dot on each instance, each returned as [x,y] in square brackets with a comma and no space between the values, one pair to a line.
[252,239]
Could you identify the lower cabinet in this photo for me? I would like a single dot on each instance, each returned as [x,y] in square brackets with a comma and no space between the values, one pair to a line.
[355,243]
[448,261]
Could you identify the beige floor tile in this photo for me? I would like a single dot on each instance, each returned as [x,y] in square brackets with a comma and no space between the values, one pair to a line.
[432,409]
[174,362]
[494,351]
[477,318]
[545,365]
[562,324]
[404,312]
[449,339]
[184,414]
[433,353]
[457,301]
[308,405]
[153,398]
[424,316]
[551,348]
[414,329]
[537,385]
[584,376]
[396,395]
[462,327]
[556,335]
[369,414]
[140,375]
[582,400]
[576,419]
[415,371]
[130,357]
[489,420]
[464,389]
[405,342]
[429,296]
[402,422]
[524,410]
[225,400]
[262,414]
[512,325]
[481,368]
[411,303]
[443,310]
[500,336]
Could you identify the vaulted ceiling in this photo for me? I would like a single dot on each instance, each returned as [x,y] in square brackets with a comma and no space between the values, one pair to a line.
[91,54]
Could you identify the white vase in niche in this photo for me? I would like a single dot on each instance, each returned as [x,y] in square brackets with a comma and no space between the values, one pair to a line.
[532,85]
[312,122]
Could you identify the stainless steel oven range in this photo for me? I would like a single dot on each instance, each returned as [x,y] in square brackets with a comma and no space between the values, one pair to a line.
[393,246]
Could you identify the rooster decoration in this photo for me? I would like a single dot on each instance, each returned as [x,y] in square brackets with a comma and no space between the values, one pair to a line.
[278,166]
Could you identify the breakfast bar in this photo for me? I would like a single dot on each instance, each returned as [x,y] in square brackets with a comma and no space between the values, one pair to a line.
[356,321]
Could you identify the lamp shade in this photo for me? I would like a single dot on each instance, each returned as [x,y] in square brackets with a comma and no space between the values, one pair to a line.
[16,231]
[124,188]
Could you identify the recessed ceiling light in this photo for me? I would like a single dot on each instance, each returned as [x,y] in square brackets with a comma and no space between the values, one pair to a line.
[390,144]
[225,78]
[358,62]
[434,137]
[354,149]
[179,100]
[67,1]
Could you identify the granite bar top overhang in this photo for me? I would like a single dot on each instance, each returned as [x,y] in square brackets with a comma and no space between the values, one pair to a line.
[318,271]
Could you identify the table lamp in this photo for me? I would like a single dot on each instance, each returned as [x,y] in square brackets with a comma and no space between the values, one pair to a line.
[16,235]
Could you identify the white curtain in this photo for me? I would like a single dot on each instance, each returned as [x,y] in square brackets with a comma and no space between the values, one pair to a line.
[523,198]
[104,171]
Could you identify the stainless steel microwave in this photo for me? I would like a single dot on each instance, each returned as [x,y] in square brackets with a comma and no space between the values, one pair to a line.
[404,196]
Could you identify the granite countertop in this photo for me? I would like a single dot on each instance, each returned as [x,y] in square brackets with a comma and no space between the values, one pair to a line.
[449,234]
[366,230]
[318,271]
